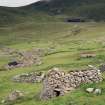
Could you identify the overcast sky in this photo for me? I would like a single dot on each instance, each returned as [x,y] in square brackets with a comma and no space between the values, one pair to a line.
[16,3]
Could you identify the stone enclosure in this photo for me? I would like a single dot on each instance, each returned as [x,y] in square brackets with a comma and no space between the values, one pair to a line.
[27,58]
[34,77]
[57,82]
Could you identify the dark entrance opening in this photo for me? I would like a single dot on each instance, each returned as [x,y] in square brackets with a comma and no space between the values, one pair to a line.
[14,63]
[57,92]
[75,20]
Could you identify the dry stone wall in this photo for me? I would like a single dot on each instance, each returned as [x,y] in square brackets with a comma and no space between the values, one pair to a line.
[57,82]
[33,77]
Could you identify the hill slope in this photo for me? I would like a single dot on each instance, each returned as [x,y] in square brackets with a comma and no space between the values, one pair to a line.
[67,43]
[92,9]
[37,29]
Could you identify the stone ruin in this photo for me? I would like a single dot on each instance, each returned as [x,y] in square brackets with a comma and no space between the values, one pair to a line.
[87,55]
[27,58]
[77,19]
[12,97]
[102,67]
[34,77]
[57,82]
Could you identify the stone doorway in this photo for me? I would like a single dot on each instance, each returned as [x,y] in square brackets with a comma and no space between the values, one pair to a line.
[57,92]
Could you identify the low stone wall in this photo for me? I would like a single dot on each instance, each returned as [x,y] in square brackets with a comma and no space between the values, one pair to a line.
[34,77]
[57,82]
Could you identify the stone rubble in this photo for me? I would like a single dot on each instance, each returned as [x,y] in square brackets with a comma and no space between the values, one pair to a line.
[97,91]
[13,96]
[57,82]
[33,77]
[87,55]
[102,68]
[27,58]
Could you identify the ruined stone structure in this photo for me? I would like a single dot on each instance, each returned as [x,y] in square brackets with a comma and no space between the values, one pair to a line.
[57,82]
[27,58]
[34,77]
[77,19]
[13,97]
[87,55]
[102,68]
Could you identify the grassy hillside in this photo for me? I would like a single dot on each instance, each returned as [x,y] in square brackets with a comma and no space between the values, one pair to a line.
[68,44]
[92,9]
[11,16]
[40,25]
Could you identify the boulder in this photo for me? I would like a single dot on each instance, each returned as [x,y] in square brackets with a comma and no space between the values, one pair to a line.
[102,68]
[90,90]
[97,91]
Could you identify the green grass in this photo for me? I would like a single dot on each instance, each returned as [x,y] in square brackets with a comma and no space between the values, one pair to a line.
[67,46]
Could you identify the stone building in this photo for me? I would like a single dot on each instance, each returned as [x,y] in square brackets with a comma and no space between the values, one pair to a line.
[57,82]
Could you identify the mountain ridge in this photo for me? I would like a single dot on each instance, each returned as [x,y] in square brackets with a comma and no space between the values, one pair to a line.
[92,9]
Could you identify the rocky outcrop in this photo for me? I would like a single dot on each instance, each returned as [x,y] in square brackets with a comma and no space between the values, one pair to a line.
[57,82]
